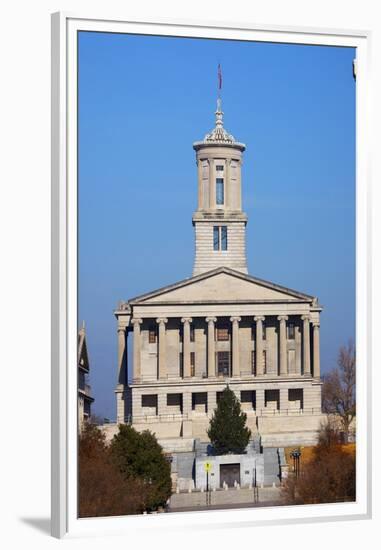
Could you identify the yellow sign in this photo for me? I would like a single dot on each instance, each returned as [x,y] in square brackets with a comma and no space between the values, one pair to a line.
[207,466]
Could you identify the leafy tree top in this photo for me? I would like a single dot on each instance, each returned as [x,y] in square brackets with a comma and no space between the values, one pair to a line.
[228,432]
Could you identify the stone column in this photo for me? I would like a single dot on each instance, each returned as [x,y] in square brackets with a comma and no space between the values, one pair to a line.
[235,345]
[200,183]
[122,356]
[259,344]
[227,182]
[282,345]
[137,349]
[186,346]
[211,347]
[306,345]
[162,348]
[239,188]
[316,349]
[212,185]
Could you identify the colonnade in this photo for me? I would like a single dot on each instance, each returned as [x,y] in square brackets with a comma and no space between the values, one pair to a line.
[211,346]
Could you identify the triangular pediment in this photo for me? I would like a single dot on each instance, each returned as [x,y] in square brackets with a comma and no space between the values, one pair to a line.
[221,285]
[83,357]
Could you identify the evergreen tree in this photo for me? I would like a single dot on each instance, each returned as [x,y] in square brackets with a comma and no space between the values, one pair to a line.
[228,432]
[139,456]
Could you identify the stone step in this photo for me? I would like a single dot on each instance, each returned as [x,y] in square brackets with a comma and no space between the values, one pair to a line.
[271,466]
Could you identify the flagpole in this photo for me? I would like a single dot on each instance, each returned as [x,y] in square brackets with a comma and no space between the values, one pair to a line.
[219,86]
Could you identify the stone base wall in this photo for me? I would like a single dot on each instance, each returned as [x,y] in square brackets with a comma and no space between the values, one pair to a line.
[276,431]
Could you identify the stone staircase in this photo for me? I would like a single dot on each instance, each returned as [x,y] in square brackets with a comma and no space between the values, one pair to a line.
[271,465]
[185,464]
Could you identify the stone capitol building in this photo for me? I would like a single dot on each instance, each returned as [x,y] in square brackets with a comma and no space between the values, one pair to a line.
[220,327]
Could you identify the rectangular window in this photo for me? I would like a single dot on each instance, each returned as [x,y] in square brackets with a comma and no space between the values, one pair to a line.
[149,404]
[224,237]
[223,363]
[216,238]
[295,398]
[220,199]
[253,362]
[200,402]
[219,168]
[291,331]
[264,362]
[247,400]
[272,399]
[192,333]
[222,333]
[152,335]
[192,363]
[263,331]
[220,237]
[175,402]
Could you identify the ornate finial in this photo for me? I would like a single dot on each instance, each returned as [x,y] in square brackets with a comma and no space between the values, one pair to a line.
[219,135]
[219,114]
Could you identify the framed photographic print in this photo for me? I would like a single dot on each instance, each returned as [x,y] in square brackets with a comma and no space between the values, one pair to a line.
[211,283]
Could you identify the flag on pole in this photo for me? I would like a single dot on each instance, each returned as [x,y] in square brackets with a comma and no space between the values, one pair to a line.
[219,77]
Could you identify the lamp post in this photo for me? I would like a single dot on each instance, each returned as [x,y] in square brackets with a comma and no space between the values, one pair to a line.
[295,455]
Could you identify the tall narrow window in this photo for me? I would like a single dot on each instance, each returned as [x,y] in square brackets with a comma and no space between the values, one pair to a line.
[220,237]
[152,335]
[223,363]
[216,238]
[224,237]
[291,331]
[192,363]
[192,333]
[220,199]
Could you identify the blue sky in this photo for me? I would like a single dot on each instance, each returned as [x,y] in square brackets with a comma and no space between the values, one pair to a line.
[143,101]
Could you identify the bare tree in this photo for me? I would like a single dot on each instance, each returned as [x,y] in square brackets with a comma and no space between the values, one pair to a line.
[328,476]
[339,387]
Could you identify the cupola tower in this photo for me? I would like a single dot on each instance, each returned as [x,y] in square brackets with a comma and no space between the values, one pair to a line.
[219,222]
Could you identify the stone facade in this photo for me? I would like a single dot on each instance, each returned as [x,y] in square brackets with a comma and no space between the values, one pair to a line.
[221,326]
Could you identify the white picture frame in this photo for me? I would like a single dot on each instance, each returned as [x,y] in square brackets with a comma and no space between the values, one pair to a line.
[64,276]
